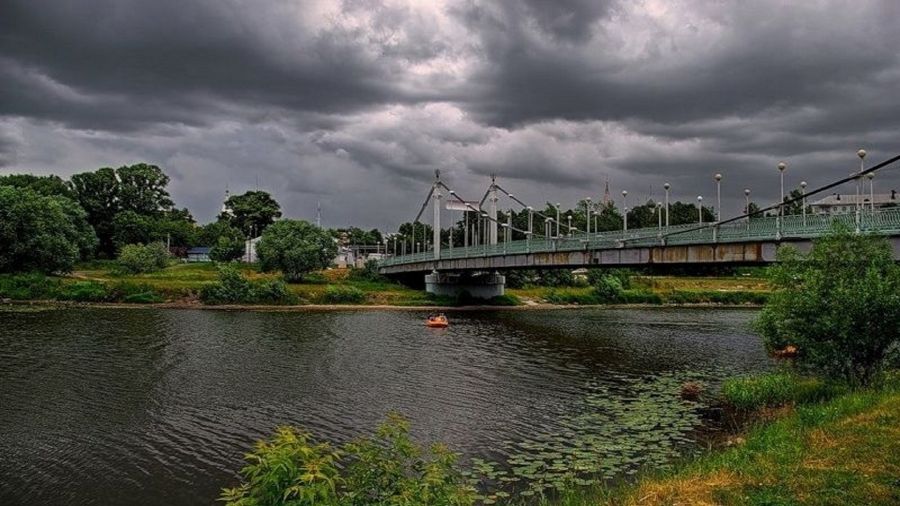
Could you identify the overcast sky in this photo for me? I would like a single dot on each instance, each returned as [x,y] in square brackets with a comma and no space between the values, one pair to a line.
[355,103]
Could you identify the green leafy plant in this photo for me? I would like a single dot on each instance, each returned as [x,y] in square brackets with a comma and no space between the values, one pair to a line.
[339,294]
[139,258]
[234,288]
[296,248]
[608,289]
[839,306]
[751,393]
[387,469]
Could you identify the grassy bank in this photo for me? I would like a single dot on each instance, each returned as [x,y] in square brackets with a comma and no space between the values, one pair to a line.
[659,290]
[183,283]
[845,450]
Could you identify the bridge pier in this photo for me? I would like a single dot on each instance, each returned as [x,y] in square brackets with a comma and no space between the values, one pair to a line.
[452,284]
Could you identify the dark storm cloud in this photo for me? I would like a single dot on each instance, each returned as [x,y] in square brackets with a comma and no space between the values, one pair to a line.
[120,63]
[356,103]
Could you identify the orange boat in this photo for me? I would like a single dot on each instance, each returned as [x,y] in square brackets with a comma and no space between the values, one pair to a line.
[437,321]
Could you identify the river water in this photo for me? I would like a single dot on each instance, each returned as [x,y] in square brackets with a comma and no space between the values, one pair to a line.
[147,406]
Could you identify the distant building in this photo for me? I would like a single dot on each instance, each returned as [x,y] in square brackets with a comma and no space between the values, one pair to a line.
[846,204]
[198,255]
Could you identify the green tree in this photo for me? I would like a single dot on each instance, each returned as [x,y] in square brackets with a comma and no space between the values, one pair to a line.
[97,192]
[295,247]
[839,305]
[142,189]
[41,233]
[45,185]
[228,247]
[130,227]
[252,212]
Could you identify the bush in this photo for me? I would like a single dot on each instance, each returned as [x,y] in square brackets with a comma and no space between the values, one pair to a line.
[138,258]
[640,297]
[84,291]
[608,289]
[296,248]
[338,294]
[595,276]
[369,272]
[386,469]
[31,286]
[839,306]
[752,393]
[234,288]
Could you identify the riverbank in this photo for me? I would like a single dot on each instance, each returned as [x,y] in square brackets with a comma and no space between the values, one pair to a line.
[180,286]
[842,451]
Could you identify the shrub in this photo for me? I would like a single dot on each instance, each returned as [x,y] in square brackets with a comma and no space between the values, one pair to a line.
[338,294]
[84,291]
[623,275]
[386,469]
[752,393]
[29,286]
[839,306]
[234,288]
[640,297]
[608,289]
[138,258]
[296,248]
[271,291]
[369,272]
[231,288]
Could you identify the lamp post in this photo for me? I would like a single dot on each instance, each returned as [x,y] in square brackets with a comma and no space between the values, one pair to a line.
[861,153]
[718,178]
[570,224]
[803,200]
[625,209]
[667,186]
[530,224]
[747,205]
[587,207]
[659,219]
[871,176]
[700,208]
[781,167]
[557,219]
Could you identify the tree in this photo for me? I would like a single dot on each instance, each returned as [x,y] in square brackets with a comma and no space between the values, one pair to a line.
[681,213]
[839,305]
[130,227]
[41,233]
[142,189]
[45,185]
[227,247]
[252,212]
[295,247]
[97,192]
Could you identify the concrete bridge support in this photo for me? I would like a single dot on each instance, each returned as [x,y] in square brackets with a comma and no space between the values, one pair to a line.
[452,284]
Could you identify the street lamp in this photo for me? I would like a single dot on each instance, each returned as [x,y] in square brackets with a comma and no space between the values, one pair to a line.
[625,207]
[557,219]
[667,186]
[747,205]
[862,162]
[718,178]
[570,224]
[803,201]
[700,208]
[659,218]
[548,227]
[871,176]
[781,167]
[587,206]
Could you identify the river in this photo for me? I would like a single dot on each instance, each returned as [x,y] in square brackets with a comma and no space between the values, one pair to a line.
[154,406]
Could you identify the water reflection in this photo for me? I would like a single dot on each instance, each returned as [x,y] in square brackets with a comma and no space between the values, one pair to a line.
[156,406]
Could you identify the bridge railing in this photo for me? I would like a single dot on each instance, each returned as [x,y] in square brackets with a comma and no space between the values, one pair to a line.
[883,221]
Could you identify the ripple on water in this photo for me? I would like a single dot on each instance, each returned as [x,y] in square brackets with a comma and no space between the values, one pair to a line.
[158,407]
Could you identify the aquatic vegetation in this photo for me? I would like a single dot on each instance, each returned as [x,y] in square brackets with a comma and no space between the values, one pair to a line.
[639,422]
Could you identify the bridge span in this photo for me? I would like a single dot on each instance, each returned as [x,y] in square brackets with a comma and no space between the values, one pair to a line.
[744,240]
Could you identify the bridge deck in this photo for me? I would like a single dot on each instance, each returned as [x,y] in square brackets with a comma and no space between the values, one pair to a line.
[756,231]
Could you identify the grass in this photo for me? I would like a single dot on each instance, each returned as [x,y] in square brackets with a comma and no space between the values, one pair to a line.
[838,452]
[660,290]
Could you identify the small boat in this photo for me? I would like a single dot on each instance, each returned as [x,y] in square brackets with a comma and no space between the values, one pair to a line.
[437,321]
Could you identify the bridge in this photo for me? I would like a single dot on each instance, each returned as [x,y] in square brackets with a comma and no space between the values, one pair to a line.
[748,239]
